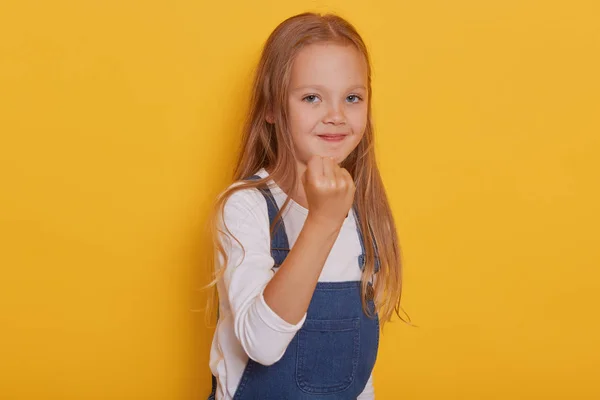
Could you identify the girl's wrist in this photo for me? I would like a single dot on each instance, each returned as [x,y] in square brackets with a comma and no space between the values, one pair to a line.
[322,225]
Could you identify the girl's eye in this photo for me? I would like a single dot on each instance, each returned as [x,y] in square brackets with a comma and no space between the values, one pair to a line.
[353,98]
[311,98]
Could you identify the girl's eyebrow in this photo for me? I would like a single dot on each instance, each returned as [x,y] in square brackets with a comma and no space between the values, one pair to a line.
[363,87]
[321,87]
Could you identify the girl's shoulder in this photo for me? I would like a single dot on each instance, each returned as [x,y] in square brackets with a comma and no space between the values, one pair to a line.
[246,200]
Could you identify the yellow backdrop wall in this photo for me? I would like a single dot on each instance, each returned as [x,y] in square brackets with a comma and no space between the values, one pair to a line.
[119,121]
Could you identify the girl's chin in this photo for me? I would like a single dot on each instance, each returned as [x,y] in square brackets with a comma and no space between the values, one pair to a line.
[337,157]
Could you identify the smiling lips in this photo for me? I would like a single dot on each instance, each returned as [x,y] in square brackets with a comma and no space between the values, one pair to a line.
[333,137]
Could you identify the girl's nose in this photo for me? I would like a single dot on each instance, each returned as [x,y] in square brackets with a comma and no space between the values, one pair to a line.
[335,115]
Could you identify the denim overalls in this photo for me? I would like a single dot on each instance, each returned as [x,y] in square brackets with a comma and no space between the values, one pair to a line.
[332,355]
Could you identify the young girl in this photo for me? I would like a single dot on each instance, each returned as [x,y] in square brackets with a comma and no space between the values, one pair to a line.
[308,254]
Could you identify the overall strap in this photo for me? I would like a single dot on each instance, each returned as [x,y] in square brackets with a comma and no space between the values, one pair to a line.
[279,241]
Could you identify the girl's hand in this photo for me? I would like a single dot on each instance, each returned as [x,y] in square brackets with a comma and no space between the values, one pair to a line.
[329,191]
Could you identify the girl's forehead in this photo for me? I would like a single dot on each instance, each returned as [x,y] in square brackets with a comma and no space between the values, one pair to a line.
[323,63]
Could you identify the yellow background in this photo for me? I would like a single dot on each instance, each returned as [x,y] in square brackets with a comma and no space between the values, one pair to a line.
[119,121]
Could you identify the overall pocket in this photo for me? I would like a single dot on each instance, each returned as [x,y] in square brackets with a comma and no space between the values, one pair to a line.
[328,353]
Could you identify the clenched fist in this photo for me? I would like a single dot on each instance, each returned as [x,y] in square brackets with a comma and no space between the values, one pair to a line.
[329,190]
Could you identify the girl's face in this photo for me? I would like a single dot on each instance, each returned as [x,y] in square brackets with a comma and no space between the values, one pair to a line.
[327,101]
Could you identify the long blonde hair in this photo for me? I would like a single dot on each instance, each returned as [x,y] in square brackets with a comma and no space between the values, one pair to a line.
[268,144]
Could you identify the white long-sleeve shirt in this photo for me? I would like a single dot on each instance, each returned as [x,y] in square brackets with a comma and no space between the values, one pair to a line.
[248,327]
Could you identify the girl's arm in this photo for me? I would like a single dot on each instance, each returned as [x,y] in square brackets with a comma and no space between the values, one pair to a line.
[263,335]
[330,194]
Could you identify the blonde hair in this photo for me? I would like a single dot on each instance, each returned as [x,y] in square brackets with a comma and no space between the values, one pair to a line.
[268,145]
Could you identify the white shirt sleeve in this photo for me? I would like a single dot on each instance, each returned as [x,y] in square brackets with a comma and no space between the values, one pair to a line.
[263,335]
[369,392]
